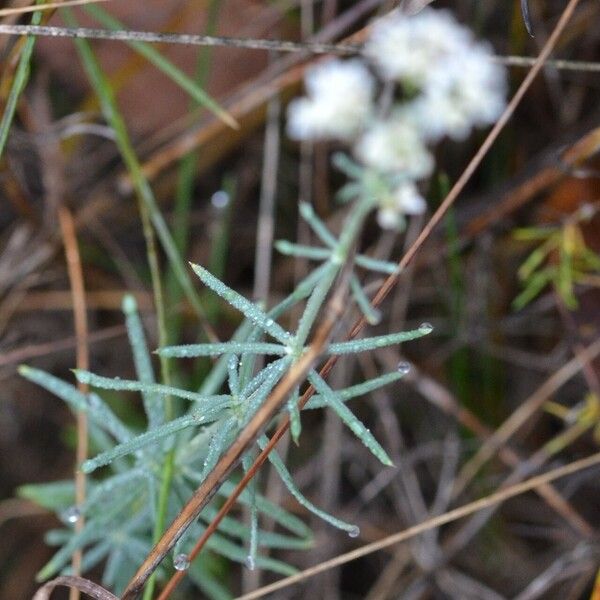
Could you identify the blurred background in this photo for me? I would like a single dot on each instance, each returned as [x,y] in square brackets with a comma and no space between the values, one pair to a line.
[509,280]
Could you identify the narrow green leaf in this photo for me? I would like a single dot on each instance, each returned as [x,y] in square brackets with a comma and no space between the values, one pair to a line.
[143,440]
[153,404]
[19,82]
[349,419]
[285,476]
[372,315]
[249,309]
[381,341]
[98,411]
[56,495]
[195,350]
[318,401]
[109,383]
[310,216]
[234,552]
[288,249]
[294,412]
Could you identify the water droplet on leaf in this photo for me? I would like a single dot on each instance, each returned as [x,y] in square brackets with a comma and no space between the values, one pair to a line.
[403,367]
[71,514]
[181,562]
[425,327]
[220,199]
[354,532]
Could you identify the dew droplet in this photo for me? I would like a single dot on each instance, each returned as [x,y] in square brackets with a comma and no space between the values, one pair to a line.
[181,562]
[403,367]
[425,327]
[220,199]
[269,322]
[71,514]
[354,532]
[250,563]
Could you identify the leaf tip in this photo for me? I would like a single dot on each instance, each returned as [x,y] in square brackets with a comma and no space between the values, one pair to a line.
[129,304]
[24,370]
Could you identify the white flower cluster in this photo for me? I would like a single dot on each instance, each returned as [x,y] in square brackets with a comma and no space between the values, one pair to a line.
[447,84]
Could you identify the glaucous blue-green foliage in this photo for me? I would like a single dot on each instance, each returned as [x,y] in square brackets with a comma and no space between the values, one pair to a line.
[125,472]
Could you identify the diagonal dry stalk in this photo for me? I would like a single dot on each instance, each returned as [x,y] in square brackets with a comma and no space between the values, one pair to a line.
[388,284]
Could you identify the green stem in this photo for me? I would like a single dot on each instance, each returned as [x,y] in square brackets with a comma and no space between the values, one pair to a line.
[19,82]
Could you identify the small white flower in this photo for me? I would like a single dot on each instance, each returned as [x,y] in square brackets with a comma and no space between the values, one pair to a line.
[395,146]
[339,102]
[469,92]
[388,218]
[408,199]
[404,200]
[407,49]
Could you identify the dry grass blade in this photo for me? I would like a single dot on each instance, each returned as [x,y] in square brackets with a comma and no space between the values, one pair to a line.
[503,433]
[67,227]
[35,350]
[458,513]
[79,583]
[443,400]
[5,12]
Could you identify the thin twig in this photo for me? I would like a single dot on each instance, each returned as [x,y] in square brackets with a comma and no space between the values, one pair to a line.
[69,236]
[35,350]
[458,513]
[186,39]
[157,37]
[525,411]
[268,192]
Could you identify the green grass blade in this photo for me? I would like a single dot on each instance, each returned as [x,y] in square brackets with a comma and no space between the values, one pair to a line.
[153,405]
[19,82]
[165,66]
[142,187]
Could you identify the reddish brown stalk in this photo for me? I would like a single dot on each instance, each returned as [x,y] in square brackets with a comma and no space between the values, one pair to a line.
[69,236]
[390,282]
